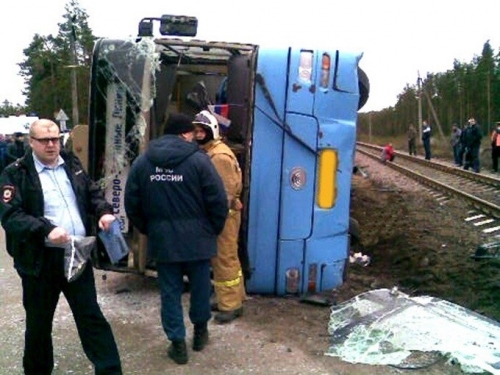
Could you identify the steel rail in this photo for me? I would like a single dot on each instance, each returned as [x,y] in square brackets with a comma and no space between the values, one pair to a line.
[482,205]
[481,178]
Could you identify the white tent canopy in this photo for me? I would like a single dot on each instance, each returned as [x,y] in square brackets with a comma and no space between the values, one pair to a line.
[15,124]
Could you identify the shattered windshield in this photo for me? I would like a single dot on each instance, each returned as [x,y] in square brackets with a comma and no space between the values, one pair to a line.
[387,327]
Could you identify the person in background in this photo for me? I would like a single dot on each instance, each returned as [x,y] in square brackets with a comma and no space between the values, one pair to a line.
[426,139]
[46,198]
[472,144]
[175,197]
[387,153]
[455,144]
[16,149]
[3,152]
[495,147]
[461,153]
[412,140]
[228,276]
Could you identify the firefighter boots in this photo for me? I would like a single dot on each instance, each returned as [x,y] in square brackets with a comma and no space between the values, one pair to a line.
[214,306]
[178,352]
[228,316]
[200,338]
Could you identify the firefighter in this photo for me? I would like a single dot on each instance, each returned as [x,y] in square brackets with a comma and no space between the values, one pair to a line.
[228,277]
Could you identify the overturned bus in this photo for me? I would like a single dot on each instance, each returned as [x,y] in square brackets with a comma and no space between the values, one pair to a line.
[288,113]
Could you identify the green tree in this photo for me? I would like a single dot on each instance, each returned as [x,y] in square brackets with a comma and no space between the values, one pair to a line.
[49,62]
[9,109]
[468,89]
[485,74]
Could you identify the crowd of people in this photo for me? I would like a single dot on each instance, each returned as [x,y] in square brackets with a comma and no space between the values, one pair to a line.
[183,193]
[465,143]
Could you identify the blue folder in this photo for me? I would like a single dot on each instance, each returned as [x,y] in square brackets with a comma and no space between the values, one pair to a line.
[114,243]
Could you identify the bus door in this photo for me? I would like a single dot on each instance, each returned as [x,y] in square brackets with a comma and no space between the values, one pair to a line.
[283,163]
[298,172]
[321,106]
[335,106]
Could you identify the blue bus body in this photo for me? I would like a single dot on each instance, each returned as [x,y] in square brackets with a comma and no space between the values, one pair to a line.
[287,229]
[291,119]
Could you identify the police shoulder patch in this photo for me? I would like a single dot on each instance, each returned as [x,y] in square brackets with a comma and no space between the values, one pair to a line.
[8,193]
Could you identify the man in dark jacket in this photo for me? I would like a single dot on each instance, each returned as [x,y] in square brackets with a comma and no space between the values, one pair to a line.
[175,196]
[472,144]
[426,139]
[46,199]
[15,149]
[3,152]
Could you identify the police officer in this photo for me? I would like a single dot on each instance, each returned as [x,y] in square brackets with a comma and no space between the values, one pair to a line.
[46,197]
[174,196]
[228,277]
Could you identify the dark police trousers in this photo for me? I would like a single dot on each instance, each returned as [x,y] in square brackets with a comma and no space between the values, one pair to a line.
[40,298]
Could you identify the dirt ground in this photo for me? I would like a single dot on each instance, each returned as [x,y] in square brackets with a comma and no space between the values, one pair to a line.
[418,243]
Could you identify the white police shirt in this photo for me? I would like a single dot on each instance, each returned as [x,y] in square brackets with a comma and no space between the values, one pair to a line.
[60,205]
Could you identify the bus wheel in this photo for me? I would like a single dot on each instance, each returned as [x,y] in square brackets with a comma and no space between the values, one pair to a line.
[364,88]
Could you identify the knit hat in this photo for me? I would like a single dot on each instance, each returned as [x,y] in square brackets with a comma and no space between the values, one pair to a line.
[179,123]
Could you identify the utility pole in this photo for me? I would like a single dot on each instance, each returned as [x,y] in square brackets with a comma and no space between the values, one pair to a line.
[370,127]
[488,98]
[74,86]
[461,101]
[51,55]
[434,115]
[419,82]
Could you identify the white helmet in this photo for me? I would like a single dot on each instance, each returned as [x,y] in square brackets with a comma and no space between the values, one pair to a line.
[209,123]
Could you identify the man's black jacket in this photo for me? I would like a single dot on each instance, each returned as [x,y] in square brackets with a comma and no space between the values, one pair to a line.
[22,206]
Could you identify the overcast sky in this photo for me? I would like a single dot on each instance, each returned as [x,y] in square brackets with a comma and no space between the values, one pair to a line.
[397,37]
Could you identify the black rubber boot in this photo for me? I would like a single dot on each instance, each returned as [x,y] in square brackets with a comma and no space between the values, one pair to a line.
[228,316]
[178,352]
[214,306]
[200,338]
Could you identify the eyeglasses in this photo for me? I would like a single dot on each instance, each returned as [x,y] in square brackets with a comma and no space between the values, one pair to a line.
[45,141]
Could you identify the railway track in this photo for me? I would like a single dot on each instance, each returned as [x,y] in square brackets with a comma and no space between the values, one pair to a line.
[481,191]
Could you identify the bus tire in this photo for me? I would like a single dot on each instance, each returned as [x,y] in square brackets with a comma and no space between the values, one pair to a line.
[364,88]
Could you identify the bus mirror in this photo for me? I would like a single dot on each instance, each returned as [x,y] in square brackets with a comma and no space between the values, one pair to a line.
[146,27]
[178,25]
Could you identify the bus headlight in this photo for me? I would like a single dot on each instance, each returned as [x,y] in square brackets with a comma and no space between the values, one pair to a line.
[327,178]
